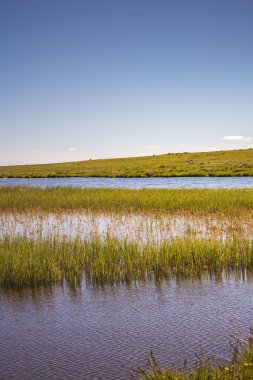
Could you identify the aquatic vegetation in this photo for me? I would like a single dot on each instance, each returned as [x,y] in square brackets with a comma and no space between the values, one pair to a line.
[44,261]
[239,367]
[219,163]
[98,237]
[110,236]
[232,202]
[140,227]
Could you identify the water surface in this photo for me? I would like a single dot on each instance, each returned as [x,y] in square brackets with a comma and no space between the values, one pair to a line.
[102,333]
[94,333]
[133,183]
[131,227]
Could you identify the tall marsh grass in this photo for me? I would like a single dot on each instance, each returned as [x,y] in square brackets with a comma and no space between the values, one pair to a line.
[179,201]
[44,261]
[211,231]
[140,227]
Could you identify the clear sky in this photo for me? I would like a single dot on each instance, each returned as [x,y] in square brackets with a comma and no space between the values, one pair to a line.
[84,79]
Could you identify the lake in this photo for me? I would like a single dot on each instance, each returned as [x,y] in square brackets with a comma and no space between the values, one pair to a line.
[101,333]
[134,183]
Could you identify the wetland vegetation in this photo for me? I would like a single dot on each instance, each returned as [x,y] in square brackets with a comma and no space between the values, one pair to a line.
[219,163]
[122,235]
[44,261]
[108,237]
[239,366]
[180,201]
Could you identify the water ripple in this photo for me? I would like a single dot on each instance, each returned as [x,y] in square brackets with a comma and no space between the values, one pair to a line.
[103,333]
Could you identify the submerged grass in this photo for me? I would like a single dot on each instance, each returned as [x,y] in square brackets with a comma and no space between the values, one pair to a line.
[141,227]
[180,201]
[29,262]
[240,366]
[219,163]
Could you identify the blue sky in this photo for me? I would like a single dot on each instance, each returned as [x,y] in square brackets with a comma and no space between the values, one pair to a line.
[84,79]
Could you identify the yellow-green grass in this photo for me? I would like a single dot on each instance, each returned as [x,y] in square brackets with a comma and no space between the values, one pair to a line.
[219,163]
[179,201]
[32,262]
[239,367]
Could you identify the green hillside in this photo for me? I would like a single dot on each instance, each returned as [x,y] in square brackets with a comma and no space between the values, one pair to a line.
[220,163]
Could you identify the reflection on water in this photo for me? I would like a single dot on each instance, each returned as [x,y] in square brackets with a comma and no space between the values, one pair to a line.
[133,183]
[102,333]
[136,227]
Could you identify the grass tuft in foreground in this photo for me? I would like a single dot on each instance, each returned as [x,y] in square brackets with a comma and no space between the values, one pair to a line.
[240,366]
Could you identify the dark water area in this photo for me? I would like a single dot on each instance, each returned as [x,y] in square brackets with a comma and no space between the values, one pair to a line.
[133,183]
[102,333]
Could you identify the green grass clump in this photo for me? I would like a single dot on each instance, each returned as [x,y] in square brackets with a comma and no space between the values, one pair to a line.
[44,261]
[240,366]
[194,201]
[219,163]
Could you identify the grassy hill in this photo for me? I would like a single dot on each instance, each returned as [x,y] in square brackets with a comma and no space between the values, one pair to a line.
[220,163]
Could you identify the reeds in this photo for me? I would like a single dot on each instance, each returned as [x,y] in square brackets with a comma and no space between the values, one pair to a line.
[230,202]
[41,248]
[140,227]
[167,233]
[26,261]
